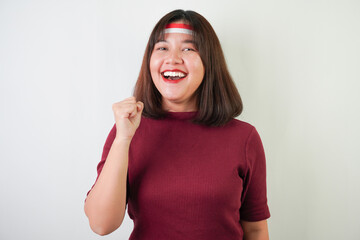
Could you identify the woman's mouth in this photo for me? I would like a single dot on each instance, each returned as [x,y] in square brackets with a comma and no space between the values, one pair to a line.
[173,76]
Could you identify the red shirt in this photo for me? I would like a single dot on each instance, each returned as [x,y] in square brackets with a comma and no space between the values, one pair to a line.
[188,181]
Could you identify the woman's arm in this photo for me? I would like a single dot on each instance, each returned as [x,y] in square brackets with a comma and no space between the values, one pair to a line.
[255,230]
[106,203]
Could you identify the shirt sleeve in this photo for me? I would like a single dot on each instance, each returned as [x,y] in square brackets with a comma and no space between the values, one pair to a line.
[108,143]
[254,205]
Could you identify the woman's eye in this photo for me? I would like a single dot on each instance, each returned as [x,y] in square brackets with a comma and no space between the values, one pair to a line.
[189,49]
[161,48]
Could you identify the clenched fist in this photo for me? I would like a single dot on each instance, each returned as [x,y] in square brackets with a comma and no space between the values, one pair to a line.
[127,115]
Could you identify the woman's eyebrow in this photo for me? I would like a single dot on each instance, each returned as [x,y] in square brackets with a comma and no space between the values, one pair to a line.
[189,41]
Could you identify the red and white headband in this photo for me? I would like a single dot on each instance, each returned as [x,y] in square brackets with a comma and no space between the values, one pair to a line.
[179,28]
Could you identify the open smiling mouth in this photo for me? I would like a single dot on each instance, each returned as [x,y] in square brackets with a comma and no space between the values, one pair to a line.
[173,76]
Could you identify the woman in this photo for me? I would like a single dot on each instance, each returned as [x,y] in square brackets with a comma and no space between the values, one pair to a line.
[186,168]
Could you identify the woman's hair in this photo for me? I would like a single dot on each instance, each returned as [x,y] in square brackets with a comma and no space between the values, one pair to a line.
[218,100]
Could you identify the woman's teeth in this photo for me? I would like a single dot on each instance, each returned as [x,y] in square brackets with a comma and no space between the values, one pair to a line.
[174,75]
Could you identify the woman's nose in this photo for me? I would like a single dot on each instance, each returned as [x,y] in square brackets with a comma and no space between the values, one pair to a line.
[174,57]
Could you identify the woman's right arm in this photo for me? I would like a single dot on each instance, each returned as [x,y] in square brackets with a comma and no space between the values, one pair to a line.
[106,203]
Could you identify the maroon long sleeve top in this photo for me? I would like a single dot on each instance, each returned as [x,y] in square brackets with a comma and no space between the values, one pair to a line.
[189,181]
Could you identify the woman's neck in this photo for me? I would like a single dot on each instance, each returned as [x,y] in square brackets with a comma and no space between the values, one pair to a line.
[180,107]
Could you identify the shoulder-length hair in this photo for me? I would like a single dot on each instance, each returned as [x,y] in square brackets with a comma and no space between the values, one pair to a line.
[218,100]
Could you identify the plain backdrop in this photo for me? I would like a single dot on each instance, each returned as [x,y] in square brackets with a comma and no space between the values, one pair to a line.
[64,63]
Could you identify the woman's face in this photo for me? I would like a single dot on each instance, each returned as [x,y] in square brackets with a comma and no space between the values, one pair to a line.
[177,71]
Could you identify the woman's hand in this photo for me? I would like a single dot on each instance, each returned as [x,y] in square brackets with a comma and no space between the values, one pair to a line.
[127,115]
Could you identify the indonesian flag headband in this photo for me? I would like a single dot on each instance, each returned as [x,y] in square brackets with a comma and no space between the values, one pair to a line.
[179,28]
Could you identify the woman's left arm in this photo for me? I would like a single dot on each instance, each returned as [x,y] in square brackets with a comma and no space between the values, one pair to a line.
[255,230]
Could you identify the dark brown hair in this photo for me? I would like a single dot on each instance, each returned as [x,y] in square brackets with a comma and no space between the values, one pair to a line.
[218,100]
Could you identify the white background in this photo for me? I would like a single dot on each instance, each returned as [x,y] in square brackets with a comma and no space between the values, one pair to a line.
[63,64]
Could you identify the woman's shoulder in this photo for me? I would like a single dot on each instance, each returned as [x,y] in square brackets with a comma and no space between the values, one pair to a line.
[244,132]
[240,124]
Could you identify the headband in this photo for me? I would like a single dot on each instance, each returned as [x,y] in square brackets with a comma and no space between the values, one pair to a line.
[179,28]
